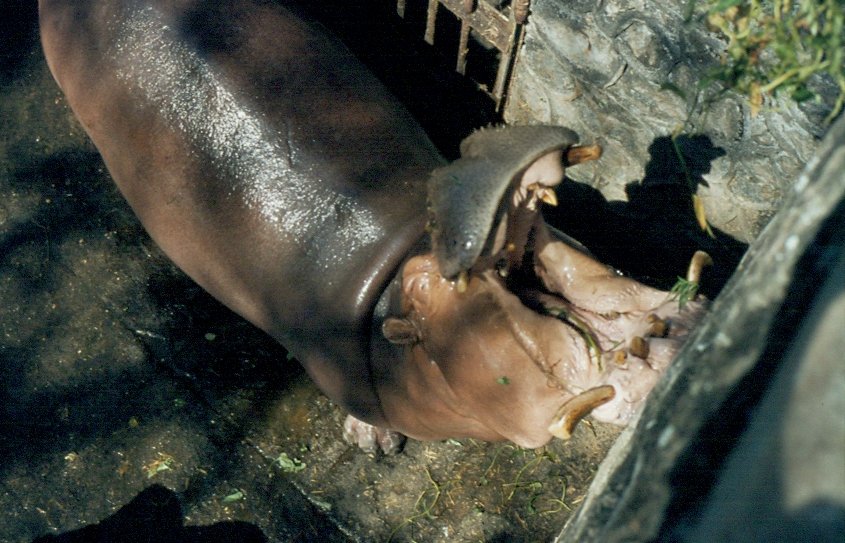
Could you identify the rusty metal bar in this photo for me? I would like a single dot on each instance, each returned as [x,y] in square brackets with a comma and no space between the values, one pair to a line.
[463,48]
[488,21]
[494,28]
[520,10]
[430,20]
[504,71]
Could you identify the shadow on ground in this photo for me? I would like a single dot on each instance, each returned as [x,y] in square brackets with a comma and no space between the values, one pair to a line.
[654,234]
[156,515]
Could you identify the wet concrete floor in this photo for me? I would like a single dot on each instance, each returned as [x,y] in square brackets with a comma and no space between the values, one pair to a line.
[133,407]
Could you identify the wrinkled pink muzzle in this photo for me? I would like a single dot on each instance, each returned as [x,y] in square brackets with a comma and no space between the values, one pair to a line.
[494,357]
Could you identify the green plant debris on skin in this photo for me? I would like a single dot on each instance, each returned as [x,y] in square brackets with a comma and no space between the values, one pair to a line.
[594,351]
[777,46]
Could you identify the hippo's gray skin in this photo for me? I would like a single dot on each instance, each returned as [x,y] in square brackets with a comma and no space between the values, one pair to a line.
[281,176]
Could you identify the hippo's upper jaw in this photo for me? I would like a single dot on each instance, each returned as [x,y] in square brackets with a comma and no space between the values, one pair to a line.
[532,333]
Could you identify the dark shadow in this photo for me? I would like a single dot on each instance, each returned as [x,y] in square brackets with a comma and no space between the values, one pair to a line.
[74,200]
[698,469]
[191,341]
[654,234]
[18,34]
[155,516]
[447,105]
[506,537]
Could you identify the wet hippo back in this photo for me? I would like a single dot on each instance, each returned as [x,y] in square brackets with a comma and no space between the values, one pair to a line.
[264,160]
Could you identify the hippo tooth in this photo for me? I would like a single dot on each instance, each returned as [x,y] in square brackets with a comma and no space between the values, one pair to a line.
[582,153]
[699,260]
[657,326]
[639,347]
[578,407]
[463,281]
[544,193]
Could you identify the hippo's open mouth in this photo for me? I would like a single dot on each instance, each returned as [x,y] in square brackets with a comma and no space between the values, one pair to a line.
[505,307]
[629,332]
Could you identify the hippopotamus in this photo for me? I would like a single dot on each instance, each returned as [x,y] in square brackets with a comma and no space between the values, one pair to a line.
[428,299]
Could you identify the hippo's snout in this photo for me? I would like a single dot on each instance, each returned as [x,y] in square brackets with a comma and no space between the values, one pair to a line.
[525,334]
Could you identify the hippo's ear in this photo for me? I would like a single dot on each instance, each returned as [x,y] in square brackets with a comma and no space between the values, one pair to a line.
[465,197]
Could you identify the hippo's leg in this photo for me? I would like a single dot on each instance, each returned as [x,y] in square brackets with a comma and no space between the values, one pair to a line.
[372,438]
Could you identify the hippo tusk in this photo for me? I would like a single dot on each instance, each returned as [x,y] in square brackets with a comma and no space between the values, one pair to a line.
[578,407]
[582,153]
[699,260]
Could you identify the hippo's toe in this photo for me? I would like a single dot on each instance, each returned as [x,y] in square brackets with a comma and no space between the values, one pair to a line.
[372,439]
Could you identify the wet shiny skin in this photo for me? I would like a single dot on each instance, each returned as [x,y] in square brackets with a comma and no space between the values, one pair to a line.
[261,156]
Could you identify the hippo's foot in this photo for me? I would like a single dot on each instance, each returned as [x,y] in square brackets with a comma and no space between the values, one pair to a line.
[511,330]
[372,439]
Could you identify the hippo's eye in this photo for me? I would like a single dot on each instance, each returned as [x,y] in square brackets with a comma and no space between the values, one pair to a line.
[464,246]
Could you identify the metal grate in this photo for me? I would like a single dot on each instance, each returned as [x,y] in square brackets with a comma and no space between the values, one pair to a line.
[496,24]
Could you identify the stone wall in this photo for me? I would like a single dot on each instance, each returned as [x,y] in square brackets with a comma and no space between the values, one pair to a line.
[602,68]
[743,439]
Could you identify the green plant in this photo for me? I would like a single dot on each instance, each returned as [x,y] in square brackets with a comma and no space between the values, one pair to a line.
[289,464]
[683,291]
[777,46]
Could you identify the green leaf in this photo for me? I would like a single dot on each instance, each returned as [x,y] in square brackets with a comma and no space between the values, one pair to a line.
[290,465]
[237,495]
[725,4]
[802,94]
